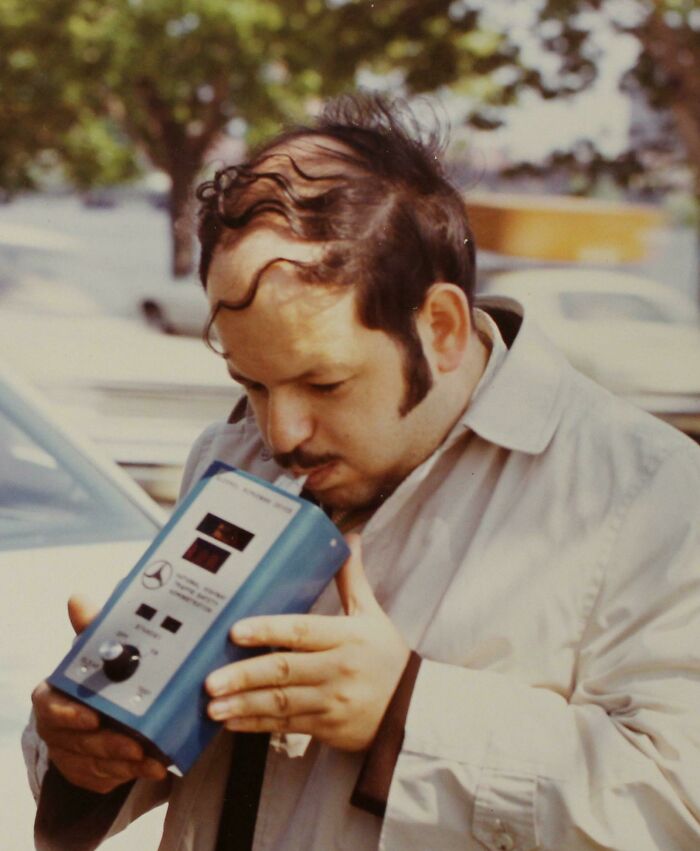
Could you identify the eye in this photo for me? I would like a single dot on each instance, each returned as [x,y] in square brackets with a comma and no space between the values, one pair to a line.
[327,389]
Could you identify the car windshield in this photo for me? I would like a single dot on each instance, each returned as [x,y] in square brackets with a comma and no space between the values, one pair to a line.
[592,306]
[50,493]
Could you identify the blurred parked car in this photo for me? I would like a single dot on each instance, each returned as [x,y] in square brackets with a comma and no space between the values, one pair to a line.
[141,396]
[69,521]
[639,338]
[176,307]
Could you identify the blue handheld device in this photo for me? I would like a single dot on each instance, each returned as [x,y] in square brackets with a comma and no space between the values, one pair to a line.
[235,547]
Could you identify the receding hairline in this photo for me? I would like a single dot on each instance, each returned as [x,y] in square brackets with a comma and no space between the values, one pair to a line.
[310,151]
[285,254]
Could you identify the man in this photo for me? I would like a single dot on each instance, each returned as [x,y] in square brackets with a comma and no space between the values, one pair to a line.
[533,541]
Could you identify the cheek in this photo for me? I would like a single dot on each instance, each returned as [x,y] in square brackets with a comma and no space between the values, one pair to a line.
[370,439]
[344,431]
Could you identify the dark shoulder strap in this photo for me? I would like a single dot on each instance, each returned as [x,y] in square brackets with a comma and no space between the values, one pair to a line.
[239,810]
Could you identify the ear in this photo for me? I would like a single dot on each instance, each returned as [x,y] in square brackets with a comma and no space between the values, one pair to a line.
[444,324]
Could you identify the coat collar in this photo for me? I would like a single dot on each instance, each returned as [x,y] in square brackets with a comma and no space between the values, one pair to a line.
[521,403]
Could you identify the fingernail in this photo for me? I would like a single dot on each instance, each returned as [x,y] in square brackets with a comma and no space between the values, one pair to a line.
[242,632]
[217,709]
[215,685]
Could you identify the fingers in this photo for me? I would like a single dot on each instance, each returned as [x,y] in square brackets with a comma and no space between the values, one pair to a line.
[273,703]
[117,770]
[273,669]
[85,774]
[54,709]
[100,775]
[81,611]
[297,632]
[90,757]
[102,744]
[336,679]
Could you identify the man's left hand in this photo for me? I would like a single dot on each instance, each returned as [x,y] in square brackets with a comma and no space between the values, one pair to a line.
[335,682]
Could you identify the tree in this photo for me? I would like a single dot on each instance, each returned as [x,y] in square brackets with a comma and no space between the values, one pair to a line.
[170,75]
[666,76]
[44,119]
[32,106]
[95,82]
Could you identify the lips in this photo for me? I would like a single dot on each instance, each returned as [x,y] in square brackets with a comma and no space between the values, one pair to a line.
[317,475]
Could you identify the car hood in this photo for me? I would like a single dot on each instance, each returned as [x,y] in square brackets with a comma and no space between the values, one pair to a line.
[635,358]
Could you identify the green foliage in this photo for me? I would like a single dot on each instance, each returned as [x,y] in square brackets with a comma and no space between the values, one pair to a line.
[99,85]
[172,73]
[95,154]
[31,108]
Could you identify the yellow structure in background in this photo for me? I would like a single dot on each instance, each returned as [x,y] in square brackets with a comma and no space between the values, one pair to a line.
[561,228]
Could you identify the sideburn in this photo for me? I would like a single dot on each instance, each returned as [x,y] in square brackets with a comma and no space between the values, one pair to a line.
[417,376]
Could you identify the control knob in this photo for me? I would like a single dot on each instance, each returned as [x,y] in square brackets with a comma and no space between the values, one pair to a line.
[119,661]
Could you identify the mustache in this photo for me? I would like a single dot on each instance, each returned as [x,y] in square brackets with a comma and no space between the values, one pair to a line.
[302,459]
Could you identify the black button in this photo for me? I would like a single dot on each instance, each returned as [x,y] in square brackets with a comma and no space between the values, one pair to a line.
[171,624]
[145,611]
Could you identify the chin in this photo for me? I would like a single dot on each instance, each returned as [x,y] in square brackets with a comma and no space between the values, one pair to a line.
[350,496]
[338,498]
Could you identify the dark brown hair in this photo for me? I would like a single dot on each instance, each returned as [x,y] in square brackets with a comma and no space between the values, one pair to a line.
[391,222]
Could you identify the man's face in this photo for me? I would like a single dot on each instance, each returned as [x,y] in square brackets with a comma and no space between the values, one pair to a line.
[325,390]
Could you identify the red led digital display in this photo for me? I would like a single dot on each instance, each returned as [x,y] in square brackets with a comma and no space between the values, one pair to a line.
[226,532]
[205,554]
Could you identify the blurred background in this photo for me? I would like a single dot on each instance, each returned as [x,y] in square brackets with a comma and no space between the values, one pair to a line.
[574,130]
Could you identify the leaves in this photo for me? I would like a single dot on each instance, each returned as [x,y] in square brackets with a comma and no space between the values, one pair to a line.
[99,85]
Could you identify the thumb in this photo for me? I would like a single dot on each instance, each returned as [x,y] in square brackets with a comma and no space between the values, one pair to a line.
[355,592]
[81,611]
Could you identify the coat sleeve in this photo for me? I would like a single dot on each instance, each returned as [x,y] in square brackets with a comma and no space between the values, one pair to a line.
[490,762]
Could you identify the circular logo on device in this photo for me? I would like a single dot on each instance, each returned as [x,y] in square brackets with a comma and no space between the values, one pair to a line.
[156,575]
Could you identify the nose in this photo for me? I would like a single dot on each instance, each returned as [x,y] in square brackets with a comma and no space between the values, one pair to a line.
[289,422]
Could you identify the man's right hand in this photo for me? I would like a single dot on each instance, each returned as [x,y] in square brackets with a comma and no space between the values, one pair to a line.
[87,755]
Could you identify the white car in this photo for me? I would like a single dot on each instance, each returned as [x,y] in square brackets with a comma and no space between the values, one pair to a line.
[141,396]
[176,307]
[637,337]
[69,521]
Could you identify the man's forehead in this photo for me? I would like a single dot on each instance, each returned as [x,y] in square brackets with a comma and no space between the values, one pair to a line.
[267,246]
[235,267]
